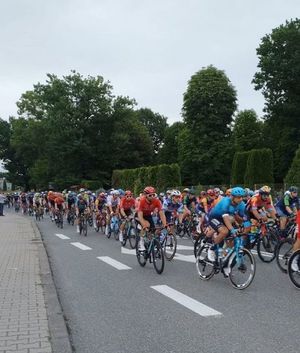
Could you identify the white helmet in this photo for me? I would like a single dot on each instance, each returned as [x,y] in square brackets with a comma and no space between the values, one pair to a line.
[115,192]
[175,193]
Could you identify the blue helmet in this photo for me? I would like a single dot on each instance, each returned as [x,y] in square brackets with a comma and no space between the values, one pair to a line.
[121,192]
[238,192]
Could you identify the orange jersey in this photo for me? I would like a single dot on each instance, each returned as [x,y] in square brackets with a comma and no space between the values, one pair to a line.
[59,200]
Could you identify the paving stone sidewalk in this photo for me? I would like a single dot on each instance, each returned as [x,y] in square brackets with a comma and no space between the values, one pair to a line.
[23,316]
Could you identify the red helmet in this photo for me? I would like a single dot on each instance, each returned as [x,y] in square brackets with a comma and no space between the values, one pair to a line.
[211,192]
[128,193]
[149,190]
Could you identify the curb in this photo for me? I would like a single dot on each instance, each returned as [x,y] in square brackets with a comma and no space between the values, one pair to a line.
[59,337]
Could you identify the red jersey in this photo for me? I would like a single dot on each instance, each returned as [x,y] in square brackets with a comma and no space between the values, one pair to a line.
[59,200]
[147,208]
[127,204]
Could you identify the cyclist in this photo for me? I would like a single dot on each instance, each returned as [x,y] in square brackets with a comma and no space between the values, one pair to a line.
[223,215]
[59,203]
[148,203]
[37,201]
[23,201]
[173,207]
[81,206]
[113,207]
[287,207]
[189,203]
[260,207]
[51,197]
[127,209]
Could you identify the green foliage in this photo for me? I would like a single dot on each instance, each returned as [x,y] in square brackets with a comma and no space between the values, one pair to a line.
[239,165]
[259,167]
[247,132]
[72,128]
[278,78]
[293,175]
[209,104]
[155,124]
[169,151]
[159,176]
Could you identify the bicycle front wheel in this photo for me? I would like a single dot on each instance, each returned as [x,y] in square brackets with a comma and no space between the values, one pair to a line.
[294,268]
[132,238]
[242,269]
[140,255]
[283,253]
[170,246]
[158,257]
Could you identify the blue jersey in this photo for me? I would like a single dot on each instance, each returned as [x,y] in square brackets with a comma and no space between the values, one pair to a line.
[225,206]
[169,206]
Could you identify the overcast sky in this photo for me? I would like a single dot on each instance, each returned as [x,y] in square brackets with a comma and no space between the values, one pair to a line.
[147,49]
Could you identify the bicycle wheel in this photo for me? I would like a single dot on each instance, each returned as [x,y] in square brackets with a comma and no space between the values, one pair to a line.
[198,243]
[283,253]
[158,256]
[294,268]
[140,255]
[116,232]
[102,225]
[242,269]
[85,228]
[266,247]
[204,267]
[169,245]
[132,237]
[61,221]
[80,227]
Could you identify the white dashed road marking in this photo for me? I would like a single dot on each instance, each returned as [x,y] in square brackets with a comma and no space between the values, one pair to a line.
[116,264]
[81,246]
[62,236]
[186,301]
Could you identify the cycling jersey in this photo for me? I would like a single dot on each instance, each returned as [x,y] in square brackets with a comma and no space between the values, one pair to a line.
[59,201]
[82,205]
[257,203]
[100,203]
[169,206]
[113,202]
[127,204]
[287,201]
[187,201]
[226,207]
[148,207]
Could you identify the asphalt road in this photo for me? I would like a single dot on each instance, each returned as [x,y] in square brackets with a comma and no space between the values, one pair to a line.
[111,311]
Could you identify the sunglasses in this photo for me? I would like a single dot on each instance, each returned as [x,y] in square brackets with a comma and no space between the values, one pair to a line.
[128,197]
[151,195]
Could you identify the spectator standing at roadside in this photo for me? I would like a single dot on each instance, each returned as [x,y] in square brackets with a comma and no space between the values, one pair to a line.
[2,199]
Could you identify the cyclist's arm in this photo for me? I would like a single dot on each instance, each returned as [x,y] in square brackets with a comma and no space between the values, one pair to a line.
[163,218]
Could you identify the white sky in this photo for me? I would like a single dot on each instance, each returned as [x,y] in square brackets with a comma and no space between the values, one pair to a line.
[147,49]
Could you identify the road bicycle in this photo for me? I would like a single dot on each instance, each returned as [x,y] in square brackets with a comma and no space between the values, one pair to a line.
[153,252]
[114,227]
[71,216]
[100,222]
[83,225]
[59,219]
[168,242]
[130,232]
[235,262]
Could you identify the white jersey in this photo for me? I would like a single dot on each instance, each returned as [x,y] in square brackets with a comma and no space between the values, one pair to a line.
[110,201]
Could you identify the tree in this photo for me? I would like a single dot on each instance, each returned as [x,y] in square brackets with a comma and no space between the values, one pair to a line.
[239,165]
[156,125]
[169,151]
[208,107]
[278,78]
[293,175]
[247,132]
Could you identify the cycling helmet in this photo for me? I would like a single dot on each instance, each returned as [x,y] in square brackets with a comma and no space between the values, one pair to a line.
[265,190]
[217,190]
[121,192]
[128,193]
[237,192]
[293,189]
[169,192]
[81,190]
[162,194]
[186,190]
[211,192]
[176,193]
[149,190]
[115,193]
[202,193]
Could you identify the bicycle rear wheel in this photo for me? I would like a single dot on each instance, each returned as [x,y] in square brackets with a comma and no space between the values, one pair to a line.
[158,256]
[169,245]
[294,268]
[283,253]
[85,228]
[242,269]
[266,247]
[205,268]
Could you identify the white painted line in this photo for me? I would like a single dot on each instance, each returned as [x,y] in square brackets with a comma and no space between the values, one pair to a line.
[184,247]
[81,246]
[128,251]
[114,263]
[263,253]
[186,258]
[186,301]
[62,236]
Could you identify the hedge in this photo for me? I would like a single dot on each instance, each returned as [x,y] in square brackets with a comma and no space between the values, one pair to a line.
[239,165]
[259,167]
[160,176]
